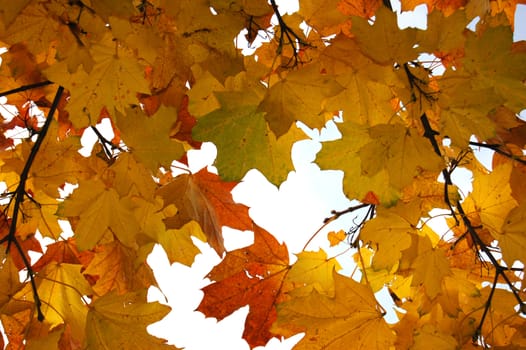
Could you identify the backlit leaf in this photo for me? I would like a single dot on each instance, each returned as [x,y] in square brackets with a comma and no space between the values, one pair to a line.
[350,319]
[119,322]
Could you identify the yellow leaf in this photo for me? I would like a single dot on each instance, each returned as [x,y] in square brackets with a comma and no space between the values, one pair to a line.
[388,234]
[160,150]
[9,280]
[403,154]
[99,209]
[348,320]
[396,45]
[343,154]
[178,244]
[120,321]
[114,82]
[313,270]
[491,198]
[299,96]
[430,267]
[336,238]
[429,337]
[512,241]
[61,288]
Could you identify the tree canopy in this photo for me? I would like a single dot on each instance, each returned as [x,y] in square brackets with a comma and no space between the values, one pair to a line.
[411,105]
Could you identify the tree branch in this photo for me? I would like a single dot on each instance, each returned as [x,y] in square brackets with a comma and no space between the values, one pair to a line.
[25,88]
[293,39]
[20,193]
[480,245]
[497,148]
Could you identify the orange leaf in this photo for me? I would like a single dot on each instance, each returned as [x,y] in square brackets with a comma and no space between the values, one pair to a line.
[60,252]
[249,276]
[117,268]
[361,8]
[336,238]
[203,197]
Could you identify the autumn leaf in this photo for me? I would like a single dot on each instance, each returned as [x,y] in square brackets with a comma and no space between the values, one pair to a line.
[313,270]
[178,244]
[350,319]
[117,268]
[245,133]
[113,83]
[491,198]
[100,209]
[512,241]
[299,96]
[136,127]
[397,45]
[430,267]
[205,198]
[388,234]
[414,109]
[249,276]
[61,290]
[336,238]
[119,322]
[10,282]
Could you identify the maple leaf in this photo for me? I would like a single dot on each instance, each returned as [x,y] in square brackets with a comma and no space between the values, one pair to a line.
[9,280]
[118,268]
[430,266]
[491,199]
[313,270]
[178,244]
[136,127]
[325,25]
[205,198]
[119,322]
[368,86]
[350,319]
[512,240]
[299,96]
[243,131]
[61,289]
[397,45]
[249,276]
[99,209]
[446,6]
[343,154]
[388,234]
[491,63]
[113,83]
[406,155]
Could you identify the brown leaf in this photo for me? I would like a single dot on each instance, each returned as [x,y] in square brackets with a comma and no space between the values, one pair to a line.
[203,197]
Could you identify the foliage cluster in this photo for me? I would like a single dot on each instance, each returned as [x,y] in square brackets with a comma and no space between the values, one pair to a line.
[168,75]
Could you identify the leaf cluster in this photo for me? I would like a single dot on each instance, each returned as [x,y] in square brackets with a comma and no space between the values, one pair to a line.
[412,107]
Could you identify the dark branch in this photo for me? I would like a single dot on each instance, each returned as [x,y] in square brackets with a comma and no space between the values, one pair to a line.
[25,88]
[480,245]
[497,148]
[20,193]
[292,39]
